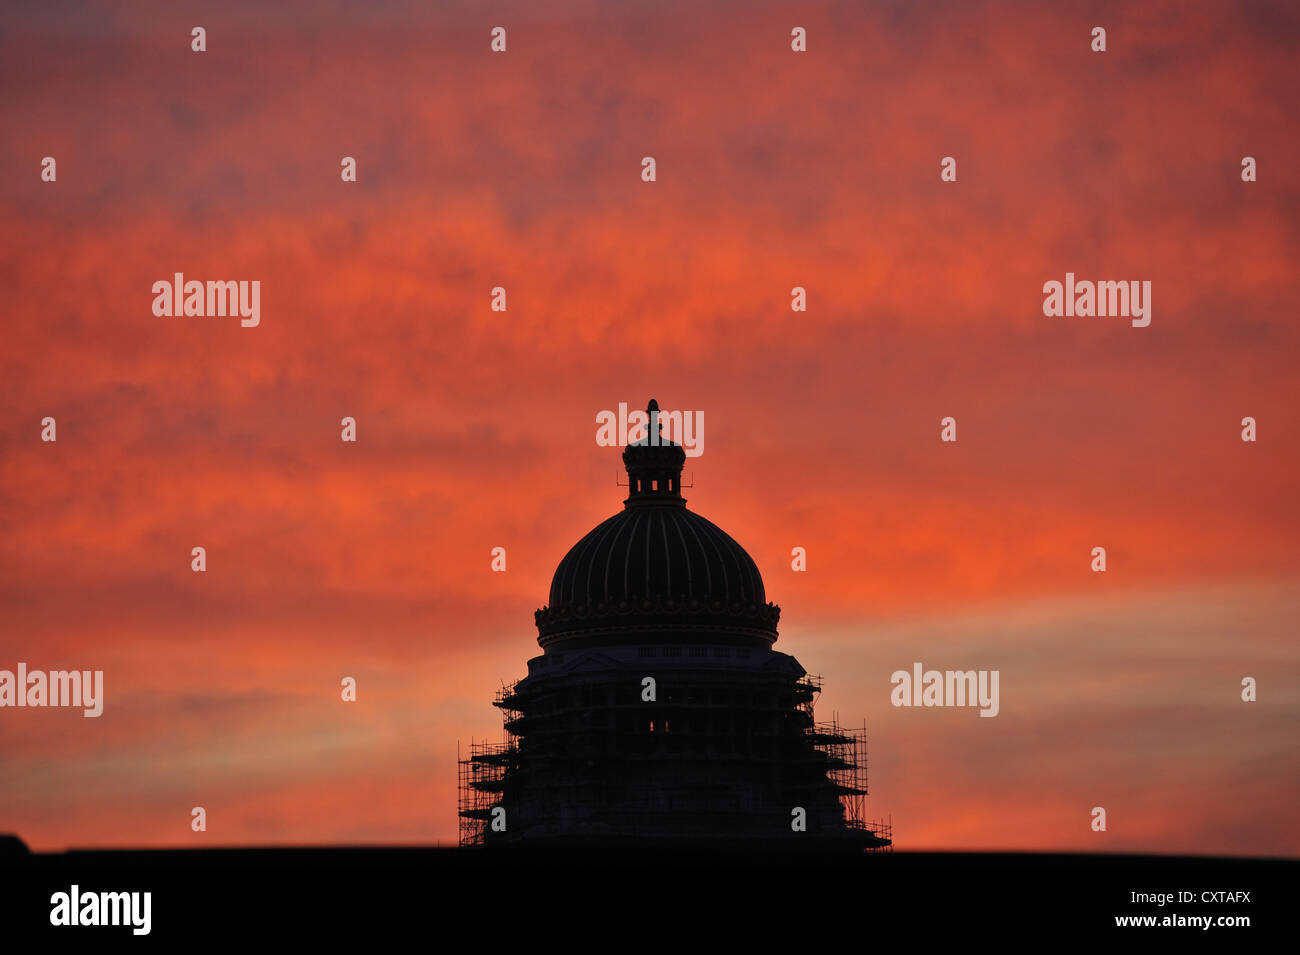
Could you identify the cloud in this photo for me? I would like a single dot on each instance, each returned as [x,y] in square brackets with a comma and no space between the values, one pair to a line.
[476,428]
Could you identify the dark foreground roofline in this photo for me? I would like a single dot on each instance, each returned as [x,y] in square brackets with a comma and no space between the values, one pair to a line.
[753,901]
[14,852]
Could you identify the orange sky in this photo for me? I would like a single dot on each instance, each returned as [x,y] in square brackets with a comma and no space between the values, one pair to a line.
[476,428]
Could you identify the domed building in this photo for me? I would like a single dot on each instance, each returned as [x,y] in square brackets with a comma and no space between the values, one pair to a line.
[658,711]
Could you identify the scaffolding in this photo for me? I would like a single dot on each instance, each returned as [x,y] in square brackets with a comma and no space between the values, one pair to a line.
[480,778]
[841,751]
[845,750]
[480,774]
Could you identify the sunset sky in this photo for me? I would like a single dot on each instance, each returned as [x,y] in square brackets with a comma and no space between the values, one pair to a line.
[476,428]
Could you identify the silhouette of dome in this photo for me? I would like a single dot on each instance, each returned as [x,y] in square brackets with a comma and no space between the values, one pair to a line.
[659,713]
[657,564]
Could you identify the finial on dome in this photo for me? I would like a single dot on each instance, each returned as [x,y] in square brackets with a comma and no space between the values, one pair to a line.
[654,465]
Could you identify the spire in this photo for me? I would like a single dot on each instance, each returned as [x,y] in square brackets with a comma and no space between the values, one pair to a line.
[654,465]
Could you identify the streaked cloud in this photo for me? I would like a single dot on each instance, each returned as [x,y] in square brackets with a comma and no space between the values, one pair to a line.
[477,428]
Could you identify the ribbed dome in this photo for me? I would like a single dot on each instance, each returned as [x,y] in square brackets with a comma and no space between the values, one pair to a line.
[658,566]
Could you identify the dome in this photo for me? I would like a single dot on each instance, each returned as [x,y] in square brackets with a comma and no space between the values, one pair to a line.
[657,567]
